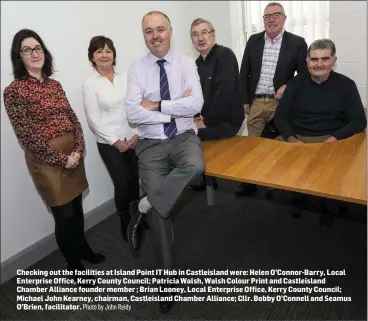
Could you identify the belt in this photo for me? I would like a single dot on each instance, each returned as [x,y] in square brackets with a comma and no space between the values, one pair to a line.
[264,96]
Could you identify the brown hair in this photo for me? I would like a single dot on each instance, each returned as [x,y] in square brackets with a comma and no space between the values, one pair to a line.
[99,42]
[19,69]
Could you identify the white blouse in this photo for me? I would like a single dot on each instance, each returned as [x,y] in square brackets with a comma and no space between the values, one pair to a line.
[104,105]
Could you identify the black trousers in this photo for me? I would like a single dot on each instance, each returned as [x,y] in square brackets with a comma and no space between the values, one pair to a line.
[123,170]
[69,230]
[220,131]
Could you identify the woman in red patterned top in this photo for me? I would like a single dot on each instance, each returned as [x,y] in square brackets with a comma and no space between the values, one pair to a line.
[52,137]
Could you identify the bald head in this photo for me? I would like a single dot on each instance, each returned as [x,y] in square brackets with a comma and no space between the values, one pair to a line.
[156,13]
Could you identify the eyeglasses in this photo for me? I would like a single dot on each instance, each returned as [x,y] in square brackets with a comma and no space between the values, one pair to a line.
[203,33]
[274,15]
[28,50]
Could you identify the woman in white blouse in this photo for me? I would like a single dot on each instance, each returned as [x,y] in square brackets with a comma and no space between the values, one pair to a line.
[103,99]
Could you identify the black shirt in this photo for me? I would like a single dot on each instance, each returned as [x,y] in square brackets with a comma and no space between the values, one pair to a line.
[219,74]
[333,107]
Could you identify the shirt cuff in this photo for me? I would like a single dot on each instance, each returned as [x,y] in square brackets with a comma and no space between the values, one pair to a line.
[165,107]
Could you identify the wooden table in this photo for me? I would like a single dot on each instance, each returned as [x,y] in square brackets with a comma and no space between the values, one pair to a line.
[335,170]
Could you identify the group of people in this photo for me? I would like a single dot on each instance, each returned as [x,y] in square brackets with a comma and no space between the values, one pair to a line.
[150,125]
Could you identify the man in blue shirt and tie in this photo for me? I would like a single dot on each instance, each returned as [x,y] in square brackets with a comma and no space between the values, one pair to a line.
[163,95]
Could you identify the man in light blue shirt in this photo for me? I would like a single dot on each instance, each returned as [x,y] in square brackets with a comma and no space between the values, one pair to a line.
[163,95]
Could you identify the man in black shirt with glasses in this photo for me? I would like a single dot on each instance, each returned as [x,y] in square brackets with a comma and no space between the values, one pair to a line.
[222,114]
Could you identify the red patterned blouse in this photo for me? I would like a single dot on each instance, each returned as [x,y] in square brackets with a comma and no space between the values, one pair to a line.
[40,111]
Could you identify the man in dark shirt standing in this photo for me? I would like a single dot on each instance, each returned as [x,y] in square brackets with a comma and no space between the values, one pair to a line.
[222,114]
[321,106]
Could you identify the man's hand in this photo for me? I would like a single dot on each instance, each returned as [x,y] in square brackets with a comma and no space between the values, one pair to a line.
[280,92]
[133,141]
[197,120]
[174,117]
[293,139]
[150,105]
[200,117]
[187,93]
[121,145]
[246,109]
[330,139]
[200,124]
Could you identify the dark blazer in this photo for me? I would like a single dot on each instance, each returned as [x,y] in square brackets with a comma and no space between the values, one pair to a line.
[292,57]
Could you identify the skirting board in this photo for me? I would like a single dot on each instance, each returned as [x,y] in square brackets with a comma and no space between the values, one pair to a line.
[47,245]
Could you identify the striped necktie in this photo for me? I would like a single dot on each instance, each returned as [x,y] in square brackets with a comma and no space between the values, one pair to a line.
[169,128]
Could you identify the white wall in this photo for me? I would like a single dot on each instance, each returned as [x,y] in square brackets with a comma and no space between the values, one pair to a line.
[348,29]
[66,28]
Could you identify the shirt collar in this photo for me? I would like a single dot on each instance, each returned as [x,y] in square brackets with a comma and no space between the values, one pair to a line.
[278,37]
[97,74]
[34,79]
[331,75]
[211,53]
[169,57]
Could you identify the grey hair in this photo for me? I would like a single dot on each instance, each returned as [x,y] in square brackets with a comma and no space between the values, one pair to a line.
[322,44]
[197,21]
[271,4]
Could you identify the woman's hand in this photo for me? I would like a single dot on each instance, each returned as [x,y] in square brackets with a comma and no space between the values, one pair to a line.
[76,156]
[121,145]
[71,163]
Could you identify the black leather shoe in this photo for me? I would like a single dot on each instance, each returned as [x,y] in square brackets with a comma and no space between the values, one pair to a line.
[326,218]
[298,200]
[296,211]
[135,226]
[269,193]
[86,253]
[245,189]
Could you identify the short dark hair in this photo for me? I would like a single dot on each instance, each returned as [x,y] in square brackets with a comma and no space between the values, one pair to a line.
[99,42]
[19,69]
[322,44]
